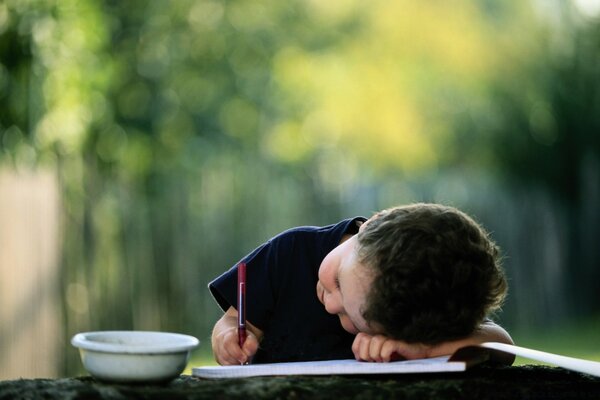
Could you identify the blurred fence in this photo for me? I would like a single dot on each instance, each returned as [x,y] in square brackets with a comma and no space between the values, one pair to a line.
[31,334]
[144,263]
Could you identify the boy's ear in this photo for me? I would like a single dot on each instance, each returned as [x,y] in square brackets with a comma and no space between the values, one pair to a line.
[361,225]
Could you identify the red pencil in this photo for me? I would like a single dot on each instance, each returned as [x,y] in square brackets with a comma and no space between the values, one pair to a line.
[241,303]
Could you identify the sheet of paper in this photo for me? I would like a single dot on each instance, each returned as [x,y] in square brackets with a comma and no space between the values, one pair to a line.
[462,359]
[575,364]
[334,367]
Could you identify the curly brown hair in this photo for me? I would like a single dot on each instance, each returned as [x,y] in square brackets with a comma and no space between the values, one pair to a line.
[436,273]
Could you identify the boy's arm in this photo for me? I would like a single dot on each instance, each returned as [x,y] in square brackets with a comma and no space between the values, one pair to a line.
[380,348]
[225,344]
[488,331]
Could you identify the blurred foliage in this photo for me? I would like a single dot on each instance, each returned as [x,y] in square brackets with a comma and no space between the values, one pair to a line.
[185,133]
[545,133]
[551,107]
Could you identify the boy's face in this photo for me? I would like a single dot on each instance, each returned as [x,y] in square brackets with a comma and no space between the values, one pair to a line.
[343,284]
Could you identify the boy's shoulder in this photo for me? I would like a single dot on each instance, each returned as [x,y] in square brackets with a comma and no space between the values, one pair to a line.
[345,226]
[328,235]
[296,234]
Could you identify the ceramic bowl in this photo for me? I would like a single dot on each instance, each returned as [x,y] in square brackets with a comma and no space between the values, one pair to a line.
[134,356]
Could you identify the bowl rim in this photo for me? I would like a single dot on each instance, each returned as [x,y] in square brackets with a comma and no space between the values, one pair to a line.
[182,343]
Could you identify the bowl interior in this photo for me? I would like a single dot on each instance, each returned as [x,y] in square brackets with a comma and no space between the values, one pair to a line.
[134,338]
[134,341]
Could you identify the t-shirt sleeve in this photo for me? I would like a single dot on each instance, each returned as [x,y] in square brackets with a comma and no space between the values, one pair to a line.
[262,273]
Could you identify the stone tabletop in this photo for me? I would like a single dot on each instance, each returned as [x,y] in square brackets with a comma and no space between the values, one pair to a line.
[522,382]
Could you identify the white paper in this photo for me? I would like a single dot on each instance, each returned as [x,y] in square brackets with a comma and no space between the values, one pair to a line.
[575,364]
[334,367]
[438,364]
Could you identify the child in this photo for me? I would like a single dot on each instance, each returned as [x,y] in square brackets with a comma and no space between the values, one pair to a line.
[415,281]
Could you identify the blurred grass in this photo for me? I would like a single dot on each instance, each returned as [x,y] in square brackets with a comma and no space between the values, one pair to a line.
[200,357]
[578,339]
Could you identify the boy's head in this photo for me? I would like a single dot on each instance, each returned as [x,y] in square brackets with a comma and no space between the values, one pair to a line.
[435,273]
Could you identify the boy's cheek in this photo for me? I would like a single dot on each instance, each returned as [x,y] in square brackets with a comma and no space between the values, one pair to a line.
[348,325]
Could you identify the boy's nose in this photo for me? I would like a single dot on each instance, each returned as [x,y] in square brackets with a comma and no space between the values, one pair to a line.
[333,305]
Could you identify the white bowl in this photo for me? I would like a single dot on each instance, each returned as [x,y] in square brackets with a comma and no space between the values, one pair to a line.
[134,356]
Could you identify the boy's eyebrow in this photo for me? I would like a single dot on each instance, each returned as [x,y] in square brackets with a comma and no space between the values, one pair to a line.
[339,282]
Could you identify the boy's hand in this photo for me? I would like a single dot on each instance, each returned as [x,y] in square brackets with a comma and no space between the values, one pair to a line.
[380,348]
[225,345]
[227,350]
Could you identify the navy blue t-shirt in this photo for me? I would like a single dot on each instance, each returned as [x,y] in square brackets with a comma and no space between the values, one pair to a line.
[281,299]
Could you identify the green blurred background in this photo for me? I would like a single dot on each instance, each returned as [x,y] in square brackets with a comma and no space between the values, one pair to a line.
[146,146]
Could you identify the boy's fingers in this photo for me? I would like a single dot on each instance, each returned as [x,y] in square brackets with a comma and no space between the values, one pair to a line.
[390,351]
[237,356]
[364,351]
[226,358]
[410,351]
[375,347]
[250,346]
[232,353]
[356,345]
